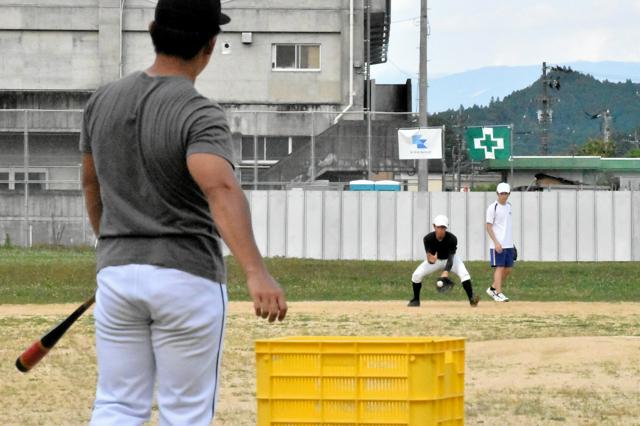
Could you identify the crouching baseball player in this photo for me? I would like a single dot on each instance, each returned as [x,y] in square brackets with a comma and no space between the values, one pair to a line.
[440,246]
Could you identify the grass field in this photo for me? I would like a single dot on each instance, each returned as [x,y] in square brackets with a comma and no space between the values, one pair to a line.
[65,275]
[565,351]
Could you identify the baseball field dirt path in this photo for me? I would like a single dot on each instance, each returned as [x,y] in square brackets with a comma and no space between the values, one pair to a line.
[527,363]
[486,307]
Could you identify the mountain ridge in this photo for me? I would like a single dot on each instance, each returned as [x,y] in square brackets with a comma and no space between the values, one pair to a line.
[478,86]
[577,106]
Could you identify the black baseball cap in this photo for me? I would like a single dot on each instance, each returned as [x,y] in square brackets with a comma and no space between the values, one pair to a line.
[202,16]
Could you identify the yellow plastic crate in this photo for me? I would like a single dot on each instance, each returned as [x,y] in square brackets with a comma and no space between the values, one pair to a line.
[374,381]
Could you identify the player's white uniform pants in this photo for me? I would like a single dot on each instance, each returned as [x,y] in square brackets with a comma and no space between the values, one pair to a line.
[157,325]
[426,268]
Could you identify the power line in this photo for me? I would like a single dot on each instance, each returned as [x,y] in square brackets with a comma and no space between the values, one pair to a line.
[415,18]
[406,73]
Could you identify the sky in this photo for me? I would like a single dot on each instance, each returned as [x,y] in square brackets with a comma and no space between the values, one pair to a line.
[471,34]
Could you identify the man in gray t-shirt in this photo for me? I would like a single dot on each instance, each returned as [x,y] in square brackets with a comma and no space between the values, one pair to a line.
[160,189]
[140,131]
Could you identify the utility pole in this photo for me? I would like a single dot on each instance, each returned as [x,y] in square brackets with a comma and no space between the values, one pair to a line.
[423,165]
[369,88]
[606,125]
[545,113]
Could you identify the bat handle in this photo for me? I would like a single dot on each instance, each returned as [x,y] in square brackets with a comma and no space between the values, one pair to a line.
[31,356]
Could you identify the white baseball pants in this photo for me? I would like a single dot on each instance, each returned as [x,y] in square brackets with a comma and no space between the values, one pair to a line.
[426,268]
[163,327]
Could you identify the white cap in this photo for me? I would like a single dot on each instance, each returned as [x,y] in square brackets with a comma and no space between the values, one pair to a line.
[503,187]
[441,220]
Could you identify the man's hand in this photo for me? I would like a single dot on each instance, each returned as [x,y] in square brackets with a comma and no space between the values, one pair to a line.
[230,211]
[498,247]
[268,298]
[445,274]
[431,258]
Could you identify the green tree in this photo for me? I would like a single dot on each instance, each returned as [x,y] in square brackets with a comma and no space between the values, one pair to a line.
[598,147]
[633,153]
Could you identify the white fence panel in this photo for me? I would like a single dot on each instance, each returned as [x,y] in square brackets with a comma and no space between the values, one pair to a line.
[477,241]
[439,205]
[404,226]
[458,221]
[531,227]
[622,226]
[314,233]
[259,202]
[277,217]
[332,224]
[387,225]
[549,222]
[369,218]
[568,226]
[587,239]
[516,219]
[604,226]
[421,223]
[351,225]
[296,223]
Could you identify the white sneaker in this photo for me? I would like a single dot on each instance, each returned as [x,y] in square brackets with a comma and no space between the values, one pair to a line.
[502,297]
[494,295]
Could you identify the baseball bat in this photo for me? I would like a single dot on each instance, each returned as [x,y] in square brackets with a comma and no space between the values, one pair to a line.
[34,353]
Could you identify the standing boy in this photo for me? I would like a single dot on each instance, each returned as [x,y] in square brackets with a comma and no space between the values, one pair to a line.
[502,251]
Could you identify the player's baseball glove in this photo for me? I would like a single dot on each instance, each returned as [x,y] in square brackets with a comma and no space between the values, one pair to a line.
[444,284]
[515,253]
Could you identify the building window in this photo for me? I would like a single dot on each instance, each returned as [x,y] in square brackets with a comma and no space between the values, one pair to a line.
[248,151]
[288,57]
[37,181]
[4,180]
[13,179]
[271,149]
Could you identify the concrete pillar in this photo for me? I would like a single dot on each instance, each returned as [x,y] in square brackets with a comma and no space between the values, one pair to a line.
[109,40]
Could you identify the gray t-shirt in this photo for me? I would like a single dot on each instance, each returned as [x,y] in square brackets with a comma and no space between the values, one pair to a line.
[140,130]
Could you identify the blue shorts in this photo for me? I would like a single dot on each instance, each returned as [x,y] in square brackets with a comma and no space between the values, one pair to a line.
[504,259]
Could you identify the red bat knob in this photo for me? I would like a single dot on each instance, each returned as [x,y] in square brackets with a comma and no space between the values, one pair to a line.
[31,356]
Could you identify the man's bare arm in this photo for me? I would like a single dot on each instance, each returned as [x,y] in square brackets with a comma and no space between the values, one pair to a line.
[492,235]
[91,189]
[230,211]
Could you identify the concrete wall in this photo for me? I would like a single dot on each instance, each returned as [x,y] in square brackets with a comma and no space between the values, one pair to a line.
[55,154]
[567,226]
[53,218]
[81,44]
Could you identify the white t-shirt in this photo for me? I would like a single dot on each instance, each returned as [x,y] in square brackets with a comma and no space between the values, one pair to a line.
[500,217]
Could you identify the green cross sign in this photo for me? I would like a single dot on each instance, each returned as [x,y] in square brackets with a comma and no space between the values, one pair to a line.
[489,142]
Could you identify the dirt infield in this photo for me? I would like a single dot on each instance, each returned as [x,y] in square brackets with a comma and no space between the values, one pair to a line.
[526,363]
[393,307]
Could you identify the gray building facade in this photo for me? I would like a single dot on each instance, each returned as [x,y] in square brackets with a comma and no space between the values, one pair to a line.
[301,63]
[81,44]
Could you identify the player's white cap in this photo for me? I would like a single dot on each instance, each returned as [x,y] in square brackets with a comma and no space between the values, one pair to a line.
[503,187]
[441,220]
